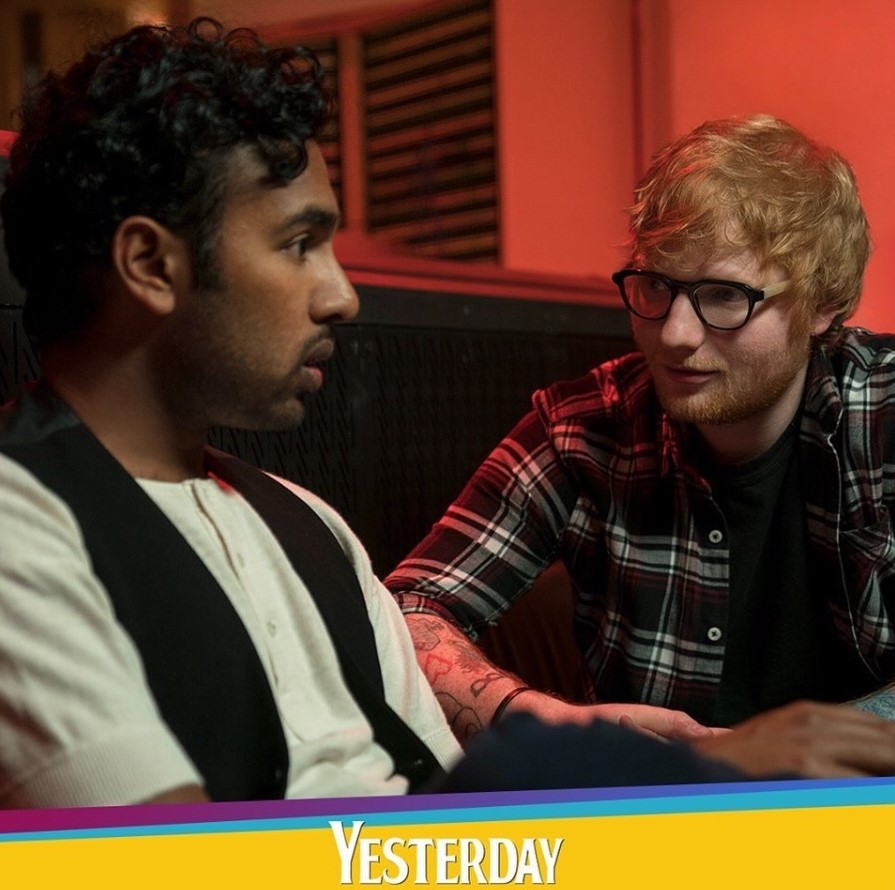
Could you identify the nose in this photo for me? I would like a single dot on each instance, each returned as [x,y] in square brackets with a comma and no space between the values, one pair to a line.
[682,327]
[335,299]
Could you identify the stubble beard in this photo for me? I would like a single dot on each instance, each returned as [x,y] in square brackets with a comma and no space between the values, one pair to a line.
[753,389]
[220,389]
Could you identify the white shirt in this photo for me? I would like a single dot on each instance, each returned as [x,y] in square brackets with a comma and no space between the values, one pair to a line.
[78,724]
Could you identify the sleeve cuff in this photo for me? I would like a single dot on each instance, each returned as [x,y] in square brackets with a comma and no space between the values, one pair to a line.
[415,604]
[131,767]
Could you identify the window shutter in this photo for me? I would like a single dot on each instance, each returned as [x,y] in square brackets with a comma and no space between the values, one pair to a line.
[430,145]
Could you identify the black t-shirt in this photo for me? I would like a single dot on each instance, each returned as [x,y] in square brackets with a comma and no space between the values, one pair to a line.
[780,643]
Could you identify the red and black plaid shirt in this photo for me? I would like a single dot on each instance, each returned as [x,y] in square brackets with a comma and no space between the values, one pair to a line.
[596,476]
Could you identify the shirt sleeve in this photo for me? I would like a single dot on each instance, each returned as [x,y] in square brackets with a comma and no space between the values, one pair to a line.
[78,723]
[406,689]
[496,538]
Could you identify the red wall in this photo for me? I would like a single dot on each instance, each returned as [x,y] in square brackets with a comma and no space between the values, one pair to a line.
[826,66]
[564,133]
[570,110]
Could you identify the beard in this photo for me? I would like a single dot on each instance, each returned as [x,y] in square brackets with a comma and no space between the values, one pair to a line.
[750,385]
[235,378]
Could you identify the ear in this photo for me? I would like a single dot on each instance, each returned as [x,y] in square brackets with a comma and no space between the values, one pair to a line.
[152,262]
[822,322]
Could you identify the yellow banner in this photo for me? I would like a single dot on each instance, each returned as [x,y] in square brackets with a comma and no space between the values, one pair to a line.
[838,842]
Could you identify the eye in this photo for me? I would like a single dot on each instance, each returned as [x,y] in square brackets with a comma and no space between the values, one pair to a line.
[648,288]
[722,295]
[299,247]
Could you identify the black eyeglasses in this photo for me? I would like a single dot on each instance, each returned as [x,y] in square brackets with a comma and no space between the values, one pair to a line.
[721,305]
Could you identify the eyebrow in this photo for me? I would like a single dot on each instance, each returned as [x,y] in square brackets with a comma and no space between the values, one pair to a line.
[314,216]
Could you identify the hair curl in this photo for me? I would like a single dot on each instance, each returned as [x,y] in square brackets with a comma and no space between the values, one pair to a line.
[146,124]
[757,183]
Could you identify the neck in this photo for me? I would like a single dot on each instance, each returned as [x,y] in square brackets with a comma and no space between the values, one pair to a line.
[734,443]
[114,397]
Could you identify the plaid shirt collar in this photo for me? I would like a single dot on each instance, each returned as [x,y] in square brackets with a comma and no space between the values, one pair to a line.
[823,401]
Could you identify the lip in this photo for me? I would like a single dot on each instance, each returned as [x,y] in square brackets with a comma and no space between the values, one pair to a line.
[312,378]
[322,352]
[312,372]
[688,376]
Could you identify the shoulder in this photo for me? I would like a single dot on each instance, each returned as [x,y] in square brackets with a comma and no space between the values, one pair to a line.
[31,510]
[851,386]
[615,388]
[862,348]
[613,404]
[330,516]
[334,521]
[862,362]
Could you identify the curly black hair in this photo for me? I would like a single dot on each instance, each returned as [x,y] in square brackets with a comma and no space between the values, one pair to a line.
[145,124]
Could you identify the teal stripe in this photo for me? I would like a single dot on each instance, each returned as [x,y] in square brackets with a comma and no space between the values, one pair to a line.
[738,801]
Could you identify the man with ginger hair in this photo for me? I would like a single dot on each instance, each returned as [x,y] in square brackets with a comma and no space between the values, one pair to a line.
[720,498]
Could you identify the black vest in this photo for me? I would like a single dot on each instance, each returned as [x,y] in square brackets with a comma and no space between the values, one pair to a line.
[203,670]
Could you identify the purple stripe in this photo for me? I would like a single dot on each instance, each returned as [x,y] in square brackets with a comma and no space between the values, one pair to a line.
[187,814]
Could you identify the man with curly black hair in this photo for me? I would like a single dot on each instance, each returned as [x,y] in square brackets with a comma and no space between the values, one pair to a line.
[169,214]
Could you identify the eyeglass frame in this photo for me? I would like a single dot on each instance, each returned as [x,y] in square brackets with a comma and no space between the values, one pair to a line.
[753,294]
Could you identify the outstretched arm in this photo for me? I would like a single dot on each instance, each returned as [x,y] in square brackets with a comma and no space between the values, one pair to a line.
[471,689]
[807,739]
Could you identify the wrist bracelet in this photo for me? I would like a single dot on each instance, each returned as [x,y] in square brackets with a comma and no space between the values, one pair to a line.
[498,711]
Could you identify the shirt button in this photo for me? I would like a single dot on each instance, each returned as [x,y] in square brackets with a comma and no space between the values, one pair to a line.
[272,628]
[716,536]
[714,634]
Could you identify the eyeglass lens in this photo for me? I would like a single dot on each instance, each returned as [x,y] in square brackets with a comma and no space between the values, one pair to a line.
[721,305]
